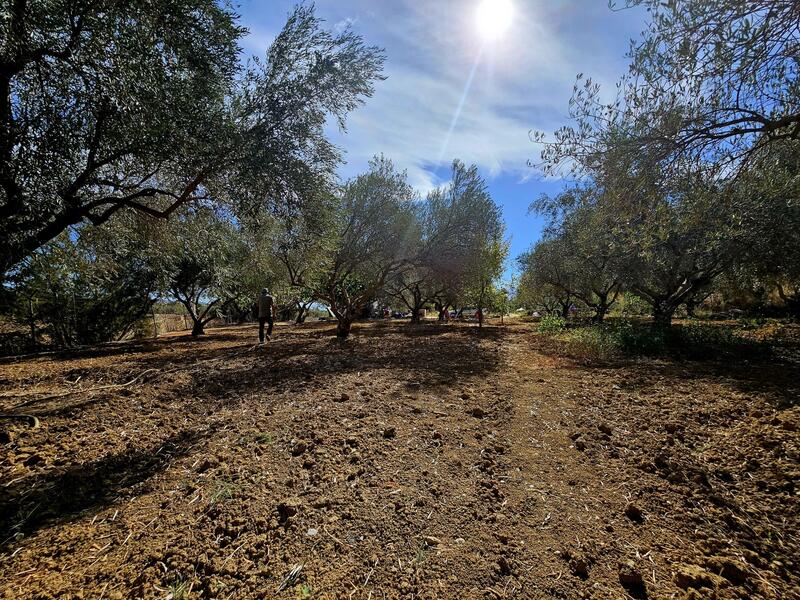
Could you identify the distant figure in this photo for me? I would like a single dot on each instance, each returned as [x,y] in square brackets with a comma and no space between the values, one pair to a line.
[266,314]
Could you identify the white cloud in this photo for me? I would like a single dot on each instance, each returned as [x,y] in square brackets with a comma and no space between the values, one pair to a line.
[523,82]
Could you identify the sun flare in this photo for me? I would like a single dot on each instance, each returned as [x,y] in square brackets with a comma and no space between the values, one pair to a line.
[493,18]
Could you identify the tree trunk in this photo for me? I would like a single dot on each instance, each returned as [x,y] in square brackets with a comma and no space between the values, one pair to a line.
[343,328]
[662,314]
[600,312]
[155,322]
[197,328]
[565,310]
[32,322]
[443,312]
[301,314]
[691,306]
[791,300]
[417,307]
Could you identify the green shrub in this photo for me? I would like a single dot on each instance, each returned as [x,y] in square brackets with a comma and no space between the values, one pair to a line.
[551,324]
[595,342]
[700,341]
[752,322]
[628,338]
[639,338]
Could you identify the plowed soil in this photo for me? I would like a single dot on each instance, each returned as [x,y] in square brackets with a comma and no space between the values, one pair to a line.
[427,462]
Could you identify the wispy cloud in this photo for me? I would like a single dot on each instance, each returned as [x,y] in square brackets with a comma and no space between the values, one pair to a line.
[521,82]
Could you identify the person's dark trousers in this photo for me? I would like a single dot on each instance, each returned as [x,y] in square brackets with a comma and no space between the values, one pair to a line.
[261,321]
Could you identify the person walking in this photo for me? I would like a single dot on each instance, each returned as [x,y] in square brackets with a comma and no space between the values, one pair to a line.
[266,314]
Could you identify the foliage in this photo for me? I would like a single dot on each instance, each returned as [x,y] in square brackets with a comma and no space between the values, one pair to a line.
[550,324]
[209,265]
[86,287]
[371,241]
[144,106]
[666,239]
[580,256]
[622,338]
[101,109]
[712,81]
[453,229]
[694,163]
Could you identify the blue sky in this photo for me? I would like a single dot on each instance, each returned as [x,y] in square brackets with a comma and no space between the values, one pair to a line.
[522,82]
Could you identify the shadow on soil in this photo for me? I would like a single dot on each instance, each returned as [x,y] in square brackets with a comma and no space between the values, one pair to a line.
[57,497]
[297,359]
[221,375]
[758,373]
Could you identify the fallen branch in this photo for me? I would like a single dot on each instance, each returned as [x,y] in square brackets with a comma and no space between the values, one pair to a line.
[32,421]
[83,390]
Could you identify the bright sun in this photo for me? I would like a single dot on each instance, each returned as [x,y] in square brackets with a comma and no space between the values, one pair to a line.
[494,18]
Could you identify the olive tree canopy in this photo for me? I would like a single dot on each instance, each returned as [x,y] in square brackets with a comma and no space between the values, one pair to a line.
[111,105]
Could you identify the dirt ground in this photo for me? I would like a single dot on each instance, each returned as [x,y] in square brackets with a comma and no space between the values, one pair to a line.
[428,462]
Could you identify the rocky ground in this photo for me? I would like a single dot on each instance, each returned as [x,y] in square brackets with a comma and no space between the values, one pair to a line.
[428,462]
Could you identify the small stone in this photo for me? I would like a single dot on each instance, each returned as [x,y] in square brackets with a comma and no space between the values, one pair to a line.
[732,570]
[432,540]
[503,566]
[311,532]
[322,502]
[579,567]
[33,460]
[629,575]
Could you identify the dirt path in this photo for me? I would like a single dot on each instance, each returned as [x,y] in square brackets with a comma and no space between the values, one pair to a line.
[417,463]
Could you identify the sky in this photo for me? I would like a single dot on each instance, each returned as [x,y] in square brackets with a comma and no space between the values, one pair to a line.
[521,81]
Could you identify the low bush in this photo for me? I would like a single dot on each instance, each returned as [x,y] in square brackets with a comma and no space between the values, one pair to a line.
[593,343]
[551,324]
[626,338]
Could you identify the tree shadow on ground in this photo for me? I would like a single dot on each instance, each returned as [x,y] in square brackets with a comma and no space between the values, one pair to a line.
[298,358]
[126,348]
[298,362]
[60,496]
[757,371]
[779,384]
[301,361]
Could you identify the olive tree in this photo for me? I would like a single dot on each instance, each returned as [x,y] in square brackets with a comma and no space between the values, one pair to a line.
[145,106]
[452,227]
[678,241]
[771,219]
[583,249]
[371,241]
[711,81]
[199,255]
[88,286]
[547,279]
